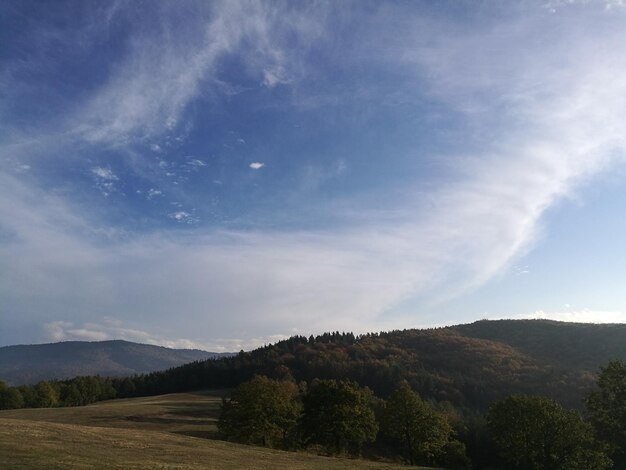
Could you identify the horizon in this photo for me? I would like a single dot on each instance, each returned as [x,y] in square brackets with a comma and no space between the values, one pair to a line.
[223,175]
[257,346]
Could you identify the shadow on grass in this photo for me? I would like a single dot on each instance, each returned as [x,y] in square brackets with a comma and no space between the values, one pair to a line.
[212,435]
[163,420]
[195,409]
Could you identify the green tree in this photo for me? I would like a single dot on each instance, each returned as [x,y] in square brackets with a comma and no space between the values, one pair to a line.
[10,397]
[29,395]
[127,387]
[606,409]
[338,416]
[261,411]
[45,395]
[409,422]
[71,396]
[536,433]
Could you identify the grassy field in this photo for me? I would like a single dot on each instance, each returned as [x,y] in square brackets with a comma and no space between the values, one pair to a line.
[191,414]
[165,432]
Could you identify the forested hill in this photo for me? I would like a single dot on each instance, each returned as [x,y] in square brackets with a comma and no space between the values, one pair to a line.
[469,365]
[570,345]
[26,364]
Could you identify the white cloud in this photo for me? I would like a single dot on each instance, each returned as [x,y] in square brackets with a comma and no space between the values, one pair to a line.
[105,180]
[184,217]
[152,193]
[104,173]
[110,328]
[193,165]
[55,330]
[257,165]
[275,76]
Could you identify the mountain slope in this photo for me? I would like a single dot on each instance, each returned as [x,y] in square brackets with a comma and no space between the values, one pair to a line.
[30,363]
[468,365]
[570,345]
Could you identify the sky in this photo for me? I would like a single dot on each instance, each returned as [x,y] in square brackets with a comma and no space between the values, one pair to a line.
[226,174]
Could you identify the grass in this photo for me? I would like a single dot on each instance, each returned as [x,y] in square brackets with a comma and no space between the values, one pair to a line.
[192,414]
[174,431]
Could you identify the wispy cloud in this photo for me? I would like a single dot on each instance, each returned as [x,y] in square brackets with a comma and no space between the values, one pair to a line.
[184,217]
[152,193]
[540,100]
[105,179]
[104,173]
[275,76]
[168,66]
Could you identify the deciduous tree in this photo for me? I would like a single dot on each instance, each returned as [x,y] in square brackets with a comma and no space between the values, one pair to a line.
[419,431]
[606,408]
[337,415]
[261,411]
[10,397]
[536,433]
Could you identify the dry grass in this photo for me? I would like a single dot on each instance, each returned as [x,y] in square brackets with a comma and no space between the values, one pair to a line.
[192,414]
[164,432]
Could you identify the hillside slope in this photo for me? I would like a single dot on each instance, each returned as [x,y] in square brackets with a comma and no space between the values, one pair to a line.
[26,444]
[468,365]
[30,363]
[571,345]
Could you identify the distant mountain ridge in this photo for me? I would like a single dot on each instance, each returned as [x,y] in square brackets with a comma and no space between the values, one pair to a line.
[25,364]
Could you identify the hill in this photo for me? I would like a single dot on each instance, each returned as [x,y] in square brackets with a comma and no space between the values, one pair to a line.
[468,365]
[140,433]
[581,346]
[25,364]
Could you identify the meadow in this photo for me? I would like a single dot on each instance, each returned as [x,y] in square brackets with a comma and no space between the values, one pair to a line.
[175,431]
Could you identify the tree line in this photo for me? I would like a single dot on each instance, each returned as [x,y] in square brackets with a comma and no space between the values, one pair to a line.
[341,417]
[73,392]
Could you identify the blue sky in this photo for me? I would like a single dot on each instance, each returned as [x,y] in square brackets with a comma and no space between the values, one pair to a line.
[225,174]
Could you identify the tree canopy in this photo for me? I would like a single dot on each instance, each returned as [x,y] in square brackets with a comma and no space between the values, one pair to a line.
[338,416]
[536,433]
[606,408]
[10,398]
[407,420]
[261,411]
